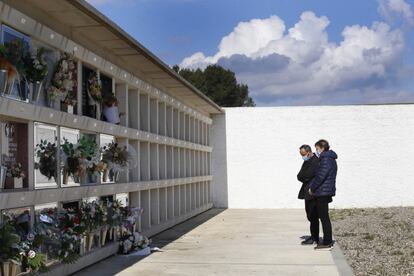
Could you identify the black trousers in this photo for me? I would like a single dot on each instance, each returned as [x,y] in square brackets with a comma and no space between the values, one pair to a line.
[312,215]
[322,206]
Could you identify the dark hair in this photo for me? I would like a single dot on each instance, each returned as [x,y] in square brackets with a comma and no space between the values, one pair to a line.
[323,144]
[307,148]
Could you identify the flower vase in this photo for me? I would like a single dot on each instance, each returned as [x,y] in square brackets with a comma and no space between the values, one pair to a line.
[105,175]
[18,182]
[83,178]
[36,88]
[69,109]
[8,268]
[89,241]
[23,93]
[3,81]
[10,85]
[65,177]
[54,103]
[104,232]
[3,173]
[111,233]
[116,176]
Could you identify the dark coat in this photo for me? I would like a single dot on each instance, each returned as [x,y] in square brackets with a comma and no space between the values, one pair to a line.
[324,182]
[305,175]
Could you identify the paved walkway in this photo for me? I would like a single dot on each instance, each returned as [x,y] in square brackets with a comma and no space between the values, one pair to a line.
[231,242]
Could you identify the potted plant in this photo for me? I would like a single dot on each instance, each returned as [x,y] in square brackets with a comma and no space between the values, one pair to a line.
[110,110]
[94,90]
[117,159]
[9,250]
[46,152]
[64,81]
[16,172]
[35,73]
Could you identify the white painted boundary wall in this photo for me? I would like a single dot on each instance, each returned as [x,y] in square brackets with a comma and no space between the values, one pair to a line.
[255,157]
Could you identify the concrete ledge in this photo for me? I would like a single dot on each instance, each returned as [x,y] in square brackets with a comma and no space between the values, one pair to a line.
[24,197]
[86,260]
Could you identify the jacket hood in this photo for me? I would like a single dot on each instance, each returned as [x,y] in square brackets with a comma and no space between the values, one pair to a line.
[329,154]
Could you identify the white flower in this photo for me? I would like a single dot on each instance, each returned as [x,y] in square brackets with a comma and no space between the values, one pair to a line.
[31,254]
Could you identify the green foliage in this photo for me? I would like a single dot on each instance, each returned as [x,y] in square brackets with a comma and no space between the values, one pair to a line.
[9,243]
[47,154]
[37,263]
[219,84]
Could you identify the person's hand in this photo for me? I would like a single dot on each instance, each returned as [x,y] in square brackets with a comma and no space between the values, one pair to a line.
[310,192]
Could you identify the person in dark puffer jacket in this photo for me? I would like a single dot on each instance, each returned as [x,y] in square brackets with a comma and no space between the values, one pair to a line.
[323,188]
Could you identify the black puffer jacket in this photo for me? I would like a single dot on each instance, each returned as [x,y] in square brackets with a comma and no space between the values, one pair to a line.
[324,182]
[305,175]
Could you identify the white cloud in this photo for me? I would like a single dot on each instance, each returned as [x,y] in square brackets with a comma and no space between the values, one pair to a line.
[390,9]
[301,65]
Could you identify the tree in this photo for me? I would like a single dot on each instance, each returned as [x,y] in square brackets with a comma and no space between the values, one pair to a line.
[219,84]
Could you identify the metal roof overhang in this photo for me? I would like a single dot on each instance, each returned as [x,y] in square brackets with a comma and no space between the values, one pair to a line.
[82,23]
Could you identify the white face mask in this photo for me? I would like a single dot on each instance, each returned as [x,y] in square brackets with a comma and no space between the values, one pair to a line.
[318,153]
[305,158]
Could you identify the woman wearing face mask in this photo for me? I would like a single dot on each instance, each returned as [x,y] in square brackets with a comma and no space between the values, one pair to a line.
[307,172]
[323,188]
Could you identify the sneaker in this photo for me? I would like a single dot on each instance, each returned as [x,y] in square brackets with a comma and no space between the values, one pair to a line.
[324,247]
[309,241]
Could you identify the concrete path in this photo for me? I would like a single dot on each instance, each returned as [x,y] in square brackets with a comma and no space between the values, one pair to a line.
[231,242]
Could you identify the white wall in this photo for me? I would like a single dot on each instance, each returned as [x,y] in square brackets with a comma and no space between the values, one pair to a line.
[375,145]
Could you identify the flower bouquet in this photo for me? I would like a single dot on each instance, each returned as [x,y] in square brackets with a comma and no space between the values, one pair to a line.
[93,216]
[71,159]
[47,225]
[35,73]
[32,259]
[72,228]
[94,90]
[10,257]
[64,81]
[117,159]
[46,152]
[16,172]
[114,217]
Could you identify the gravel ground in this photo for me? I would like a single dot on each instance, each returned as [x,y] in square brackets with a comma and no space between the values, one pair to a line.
[376,241]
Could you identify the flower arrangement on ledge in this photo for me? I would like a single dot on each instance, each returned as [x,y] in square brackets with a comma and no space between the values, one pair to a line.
[36,70]
[64,82]
[116,158]
[80,158]
[46,152]
[16,172]
[66,232]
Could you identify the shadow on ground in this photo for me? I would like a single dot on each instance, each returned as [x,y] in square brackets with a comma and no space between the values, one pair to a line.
[118,263]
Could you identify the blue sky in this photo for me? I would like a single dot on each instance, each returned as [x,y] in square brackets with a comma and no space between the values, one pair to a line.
[177,29]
